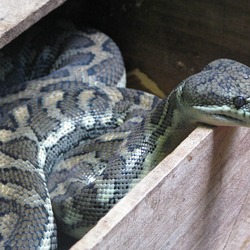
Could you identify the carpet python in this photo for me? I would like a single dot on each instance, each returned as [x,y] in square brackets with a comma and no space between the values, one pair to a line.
[74,140]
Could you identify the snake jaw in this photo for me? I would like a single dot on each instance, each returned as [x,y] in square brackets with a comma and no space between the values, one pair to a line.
[228,120]
[222,116]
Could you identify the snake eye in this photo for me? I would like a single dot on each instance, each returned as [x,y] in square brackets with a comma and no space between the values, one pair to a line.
[239,101]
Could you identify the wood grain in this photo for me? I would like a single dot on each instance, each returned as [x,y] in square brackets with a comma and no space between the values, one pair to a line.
[18,15]
[240,235]
[196,198]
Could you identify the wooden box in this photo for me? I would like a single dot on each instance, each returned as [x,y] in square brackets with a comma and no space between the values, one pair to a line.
[197,197]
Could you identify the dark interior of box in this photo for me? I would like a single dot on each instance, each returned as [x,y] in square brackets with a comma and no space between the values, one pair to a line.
[167,40]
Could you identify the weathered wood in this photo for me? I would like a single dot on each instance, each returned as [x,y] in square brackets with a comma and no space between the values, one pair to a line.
[196,198]
[240,235]
[18,15]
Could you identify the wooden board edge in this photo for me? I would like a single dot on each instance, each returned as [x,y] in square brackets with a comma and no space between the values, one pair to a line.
[23,23]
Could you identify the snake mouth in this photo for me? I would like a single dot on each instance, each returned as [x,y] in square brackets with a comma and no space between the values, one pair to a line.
[223,117]
[228,120]
[217,119]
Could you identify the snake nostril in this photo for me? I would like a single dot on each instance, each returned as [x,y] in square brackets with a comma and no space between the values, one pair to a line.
[239,101]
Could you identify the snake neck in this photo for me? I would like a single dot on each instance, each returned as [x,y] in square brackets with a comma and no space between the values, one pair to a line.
[169,126]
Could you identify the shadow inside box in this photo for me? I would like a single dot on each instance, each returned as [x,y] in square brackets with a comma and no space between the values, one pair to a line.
[65,242]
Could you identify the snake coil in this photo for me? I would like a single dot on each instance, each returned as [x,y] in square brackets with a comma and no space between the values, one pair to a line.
[74,139]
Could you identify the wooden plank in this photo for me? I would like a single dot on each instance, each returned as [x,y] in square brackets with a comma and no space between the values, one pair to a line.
[240,235]
[191,200]
[18,15]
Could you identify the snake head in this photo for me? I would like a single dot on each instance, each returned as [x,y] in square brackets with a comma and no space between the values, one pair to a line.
[218,95]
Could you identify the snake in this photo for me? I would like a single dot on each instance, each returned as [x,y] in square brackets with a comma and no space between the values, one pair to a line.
[74,140]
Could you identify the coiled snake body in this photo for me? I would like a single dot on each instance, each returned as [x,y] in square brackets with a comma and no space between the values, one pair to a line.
[72,137]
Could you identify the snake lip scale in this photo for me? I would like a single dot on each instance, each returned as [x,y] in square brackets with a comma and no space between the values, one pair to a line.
[226,117]
[74,140]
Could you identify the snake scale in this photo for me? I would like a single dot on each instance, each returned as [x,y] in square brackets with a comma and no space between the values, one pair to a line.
[74,140]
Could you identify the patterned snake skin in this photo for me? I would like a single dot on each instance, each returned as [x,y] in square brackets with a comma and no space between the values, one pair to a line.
[73,138]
